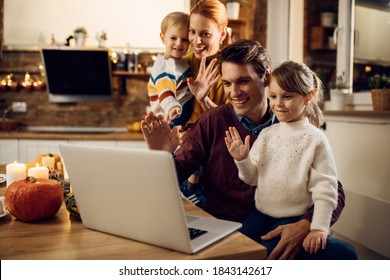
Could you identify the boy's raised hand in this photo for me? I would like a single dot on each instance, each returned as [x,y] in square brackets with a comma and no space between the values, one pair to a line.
[237,149]
[174,113]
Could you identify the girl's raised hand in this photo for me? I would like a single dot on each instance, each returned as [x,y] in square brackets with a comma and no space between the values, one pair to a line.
[237,149]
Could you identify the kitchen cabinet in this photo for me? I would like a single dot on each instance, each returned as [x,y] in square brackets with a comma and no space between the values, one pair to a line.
[372,35]
[319,49]
[29,149]
[362,153]
[99,143]
[321,38]
[8,151]
[121,77]
[26,150]
[239,29]
[132,144]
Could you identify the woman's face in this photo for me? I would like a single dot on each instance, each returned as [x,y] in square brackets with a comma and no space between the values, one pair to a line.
[204,36]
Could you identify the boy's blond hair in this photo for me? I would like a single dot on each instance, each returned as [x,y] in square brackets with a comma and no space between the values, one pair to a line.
[174,18]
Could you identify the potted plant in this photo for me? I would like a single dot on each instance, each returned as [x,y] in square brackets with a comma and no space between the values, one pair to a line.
[233,8]
[380,91]
[80,35]
[339,91]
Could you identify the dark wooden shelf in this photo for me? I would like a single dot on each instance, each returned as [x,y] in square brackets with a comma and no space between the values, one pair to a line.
[130,74]
[239,30]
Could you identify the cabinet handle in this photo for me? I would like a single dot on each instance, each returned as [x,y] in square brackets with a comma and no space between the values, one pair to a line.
[336,32]
[356,37]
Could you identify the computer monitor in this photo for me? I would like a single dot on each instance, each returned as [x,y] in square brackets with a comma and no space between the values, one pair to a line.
[77,75]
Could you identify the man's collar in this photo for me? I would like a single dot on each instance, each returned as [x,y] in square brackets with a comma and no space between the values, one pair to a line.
[269,119]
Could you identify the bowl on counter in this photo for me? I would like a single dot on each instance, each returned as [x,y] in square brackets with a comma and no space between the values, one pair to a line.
[9,125]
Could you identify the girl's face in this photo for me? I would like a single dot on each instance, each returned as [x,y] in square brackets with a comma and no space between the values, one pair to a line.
[175,40]
[205,36]
[287,106]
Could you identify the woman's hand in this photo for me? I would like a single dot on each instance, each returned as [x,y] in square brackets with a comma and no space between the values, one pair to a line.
[157,133]
[237,149]
[207,77]
[314,241]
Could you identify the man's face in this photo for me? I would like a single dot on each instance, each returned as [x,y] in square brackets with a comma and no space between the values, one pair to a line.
[245,90]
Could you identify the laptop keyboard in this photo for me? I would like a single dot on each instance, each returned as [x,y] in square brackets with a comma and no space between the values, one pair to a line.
[194,232]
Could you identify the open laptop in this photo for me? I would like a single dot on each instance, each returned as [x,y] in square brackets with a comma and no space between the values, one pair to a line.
[134,193]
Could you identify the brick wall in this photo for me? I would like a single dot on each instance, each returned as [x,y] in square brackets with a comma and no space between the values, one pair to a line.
[125,108]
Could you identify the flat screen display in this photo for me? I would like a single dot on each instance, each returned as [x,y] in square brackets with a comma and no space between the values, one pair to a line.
[78,75]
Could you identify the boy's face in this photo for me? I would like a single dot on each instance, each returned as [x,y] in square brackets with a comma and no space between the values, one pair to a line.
[175,40]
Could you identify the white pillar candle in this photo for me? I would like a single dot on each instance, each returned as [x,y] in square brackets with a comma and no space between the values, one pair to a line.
[48,162]
[15,171]
[38,172]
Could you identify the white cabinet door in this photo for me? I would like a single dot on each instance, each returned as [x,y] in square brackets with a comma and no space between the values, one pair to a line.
[100,143]
[362,154]
[372,34]
[131,144]
[8,151]
[30,149]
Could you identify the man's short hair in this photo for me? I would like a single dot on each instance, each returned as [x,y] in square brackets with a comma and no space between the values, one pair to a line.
[247,51]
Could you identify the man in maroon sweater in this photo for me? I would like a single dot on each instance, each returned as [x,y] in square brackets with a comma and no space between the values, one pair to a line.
[245,69]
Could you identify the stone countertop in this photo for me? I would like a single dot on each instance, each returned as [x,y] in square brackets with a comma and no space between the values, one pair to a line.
[377,117]
[358,113]
[122,134]
[125,136]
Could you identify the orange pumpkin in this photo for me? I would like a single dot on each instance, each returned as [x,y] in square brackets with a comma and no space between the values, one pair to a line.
[33,199]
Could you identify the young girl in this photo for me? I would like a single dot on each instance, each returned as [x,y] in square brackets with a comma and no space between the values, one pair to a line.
[291,162]
[167,88]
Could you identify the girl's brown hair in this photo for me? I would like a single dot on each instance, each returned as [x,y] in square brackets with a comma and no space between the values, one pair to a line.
[298,77]
[216,11]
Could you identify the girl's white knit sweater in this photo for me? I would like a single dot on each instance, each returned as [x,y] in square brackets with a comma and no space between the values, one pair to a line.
[293,167]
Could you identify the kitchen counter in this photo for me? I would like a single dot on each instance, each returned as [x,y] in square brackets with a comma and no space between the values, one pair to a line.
[121,133]
[97,135]
[357,113]
[24,146]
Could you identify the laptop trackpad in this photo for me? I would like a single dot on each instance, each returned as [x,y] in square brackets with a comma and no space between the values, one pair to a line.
[211,224]
[190,219]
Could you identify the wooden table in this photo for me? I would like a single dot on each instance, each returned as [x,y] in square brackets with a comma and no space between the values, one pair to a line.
[65,238]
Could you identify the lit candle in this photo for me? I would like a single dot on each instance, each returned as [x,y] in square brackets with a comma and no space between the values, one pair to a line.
[38,172]
[15,171]
[48,161]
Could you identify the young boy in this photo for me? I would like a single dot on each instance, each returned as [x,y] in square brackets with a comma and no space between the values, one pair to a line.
[167,87]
